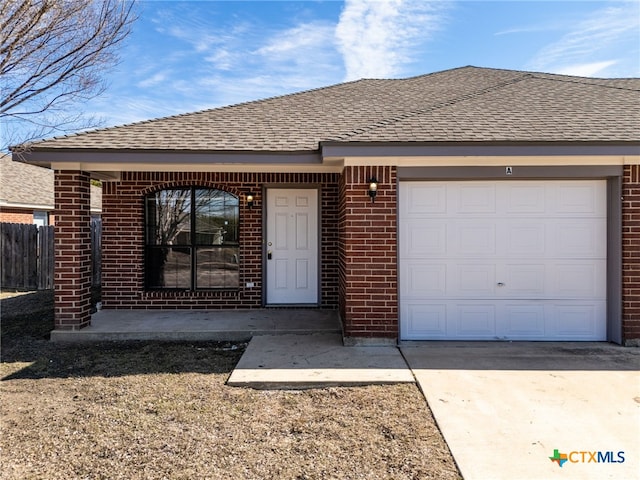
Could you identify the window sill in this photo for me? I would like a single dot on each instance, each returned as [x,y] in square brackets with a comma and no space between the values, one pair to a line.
[220,292]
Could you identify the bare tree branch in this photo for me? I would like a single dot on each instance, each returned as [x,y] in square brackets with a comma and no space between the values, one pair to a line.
[54,52]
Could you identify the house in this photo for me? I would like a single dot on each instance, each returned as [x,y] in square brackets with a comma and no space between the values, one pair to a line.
[468,204]
[26,193]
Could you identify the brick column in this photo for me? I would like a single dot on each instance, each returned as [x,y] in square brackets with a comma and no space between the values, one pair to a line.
[72,250]
[631,255]
[368,256]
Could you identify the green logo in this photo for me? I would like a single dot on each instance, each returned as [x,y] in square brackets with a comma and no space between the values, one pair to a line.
[559,458]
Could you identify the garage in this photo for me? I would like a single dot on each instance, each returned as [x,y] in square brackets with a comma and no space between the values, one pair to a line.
[503,260]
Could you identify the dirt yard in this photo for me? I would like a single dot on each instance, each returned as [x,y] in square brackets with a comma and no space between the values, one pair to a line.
[142,410]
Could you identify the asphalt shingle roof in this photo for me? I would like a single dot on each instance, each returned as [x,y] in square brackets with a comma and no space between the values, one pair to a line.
[461,105]
[531,109]
[25,184]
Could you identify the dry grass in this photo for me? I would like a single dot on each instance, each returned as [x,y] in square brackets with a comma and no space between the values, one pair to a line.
[162,410]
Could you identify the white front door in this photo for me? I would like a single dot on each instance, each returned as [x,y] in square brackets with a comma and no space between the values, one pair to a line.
[292,246]
[513,260]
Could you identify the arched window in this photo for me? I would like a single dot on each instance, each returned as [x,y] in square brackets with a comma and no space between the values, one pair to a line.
[191,239]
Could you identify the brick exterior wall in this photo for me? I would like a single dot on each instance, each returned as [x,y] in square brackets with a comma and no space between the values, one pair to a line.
[72,274]
[19,215]
[358,247]
[15,215]
[123,238]
[368,254]
[631,255]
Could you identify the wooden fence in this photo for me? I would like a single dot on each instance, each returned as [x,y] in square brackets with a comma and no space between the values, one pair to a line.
[27,256]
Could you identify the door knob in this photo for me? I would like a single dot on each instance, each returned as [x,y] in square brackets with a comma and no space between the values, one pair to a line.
[269,255]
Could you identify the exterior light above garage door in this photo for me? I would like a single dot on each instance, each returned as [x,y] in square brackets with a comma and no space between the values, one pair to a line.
[373,188]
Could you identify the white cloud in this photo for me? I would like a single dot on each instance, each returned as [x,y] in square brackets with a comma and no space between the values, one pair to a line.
[269,63]
[197,37]
[586,69]
[249,53]
[546,27]
[303,56]
[152,81]
[241,89]
[376,37]
[132,109]
[584,47]
[222,59]
[315,35]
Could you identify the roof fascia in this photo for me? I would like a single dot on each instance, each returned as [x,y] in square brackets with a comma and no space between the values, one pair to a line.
[124,159]
[26,206]
[341,150]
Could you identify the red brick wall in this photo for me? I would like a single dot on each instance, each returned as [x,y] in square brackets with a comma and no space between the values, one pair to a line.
[368,254]
[123,238]
[631,254]
[15,215]
[72,274]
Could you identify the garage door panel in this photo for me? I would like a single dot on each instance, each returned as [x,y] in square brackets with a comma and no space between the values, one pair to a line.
[579,321]
[569,280]
[583,238]
[579,279]
[522,279]
[425,319]
[521,260]
[582,198]
[423,198]
[524,320]
[525,238]
[475,197]
[424,238]
[472,280]
[474,320]
[525,198]
[473,238]
[424,280]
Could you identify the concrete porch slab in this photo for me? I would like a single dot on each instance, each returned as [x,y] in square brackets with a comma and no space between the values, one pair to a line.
[200,325]
[318,360]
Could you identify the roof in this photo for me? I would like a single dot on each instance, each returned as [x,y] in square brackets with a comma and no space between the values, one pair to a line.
[28,186]
[467,104]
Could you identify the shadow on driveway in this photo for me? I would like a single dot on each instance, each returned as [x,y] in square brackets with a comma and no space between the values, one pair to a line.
[588,356]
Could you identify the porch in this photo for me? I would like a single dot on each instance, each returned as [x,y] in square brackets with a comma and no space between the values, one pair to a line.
[200,325]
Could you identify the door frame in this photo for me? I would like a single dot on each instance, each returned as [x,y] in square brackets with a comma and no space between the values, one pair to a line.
[297,186]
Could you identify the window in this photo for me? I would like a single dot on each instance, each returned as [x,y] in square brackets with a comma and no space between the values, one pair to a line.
[191,239]
[40,219]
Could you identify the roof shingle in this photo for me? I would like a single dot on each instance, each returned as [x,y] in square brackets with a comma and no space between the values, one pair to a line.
[24,184]
[464,104]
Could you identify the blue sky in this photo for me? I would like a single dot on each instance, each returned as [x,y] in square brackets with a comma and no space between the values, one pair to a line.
[185,56]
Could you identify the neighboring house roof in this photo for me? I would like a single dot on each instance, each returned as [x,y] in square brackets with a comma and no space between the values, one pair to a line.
[31,187]
[467,104]
[25,185]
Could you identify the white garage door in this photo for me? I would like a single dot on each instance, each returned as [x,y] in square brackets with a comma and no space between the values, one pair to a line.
[515,260]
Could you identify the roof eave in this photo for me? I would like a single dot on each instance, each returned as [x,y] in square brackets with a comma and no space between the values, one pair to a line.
[123,157]
[338,149]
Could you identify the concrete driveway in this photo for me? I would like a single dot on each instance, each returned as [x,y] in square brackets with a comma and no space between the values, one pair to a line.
[506,408]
